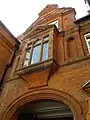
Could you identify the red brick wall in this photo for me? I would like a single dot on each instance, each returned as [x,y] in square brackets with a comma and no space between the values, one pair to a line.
[7,44]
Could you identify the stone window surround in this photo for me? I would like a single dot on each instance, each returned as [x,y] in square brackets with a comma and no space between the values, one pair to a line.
[31,45]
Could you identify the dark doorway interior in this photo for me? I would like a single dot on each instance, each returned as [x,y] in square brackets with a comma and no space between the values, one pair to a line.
[68,118]
[45,110]
[26,117]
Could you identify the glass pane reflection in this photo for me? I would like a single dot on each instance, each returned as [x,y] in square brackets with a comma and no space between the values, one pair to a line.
[36,54]
[27,58]
[37,42]
[89,43]
[45,51]
[46,38]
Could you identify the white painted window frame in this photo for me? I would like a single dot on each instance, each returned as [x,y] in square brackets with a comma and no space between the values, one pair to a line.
[55,22]
[87,40]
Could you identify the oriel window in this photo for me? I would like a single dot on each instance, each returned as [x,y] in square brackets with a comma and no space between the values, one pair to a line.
[37,52]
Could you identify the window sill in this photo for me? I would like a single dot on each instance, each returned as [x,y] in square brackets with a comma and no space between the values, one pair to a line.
[35,67]
[70,62]
[38,74]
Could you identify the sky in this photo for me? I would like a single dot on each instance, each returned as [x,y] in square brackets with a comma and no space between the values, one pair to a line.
[18,15]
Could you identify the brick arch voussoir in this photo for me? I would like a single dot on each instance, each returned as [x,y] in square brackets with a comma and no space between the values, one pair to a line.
[44,93]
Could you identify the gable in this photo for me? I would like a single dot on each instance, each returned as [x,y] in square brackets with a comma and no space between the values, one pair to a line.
[49,14]
[48,9]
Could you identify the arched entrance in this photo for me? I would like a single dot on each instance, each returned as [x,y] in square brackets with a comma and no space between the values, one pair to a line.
[12,113]
[45,110]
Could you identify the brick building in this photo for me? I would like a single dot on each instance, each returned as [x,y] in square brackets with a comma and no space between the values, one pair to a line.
[50,74]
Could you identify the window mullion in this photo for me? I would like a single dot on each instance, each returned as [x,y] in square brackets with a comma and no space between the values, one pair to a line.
[41,51]
[31,53]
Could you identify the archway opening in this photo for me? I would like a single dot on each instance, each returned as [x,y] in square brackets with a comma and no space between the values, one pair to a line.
[45,110]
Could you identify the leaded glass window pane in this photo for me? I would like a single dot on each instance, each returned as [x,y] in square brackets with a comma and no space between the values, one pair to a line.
[37,42]
[45,51]
[46,38]
[35,54]
[27,58]
[89,43]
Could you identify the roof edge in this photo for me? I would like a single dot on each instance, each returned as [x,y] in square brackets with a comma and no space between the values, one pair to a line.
[54,6]
[1,24]
[82,18]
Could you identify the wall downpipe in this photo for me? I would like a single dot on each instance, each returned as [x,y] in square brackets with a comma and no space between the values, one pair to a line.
[8,66]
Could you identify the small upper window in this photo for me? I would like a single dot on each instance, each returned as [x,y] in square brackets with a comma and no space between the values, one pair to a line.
[87,39]
[54,23]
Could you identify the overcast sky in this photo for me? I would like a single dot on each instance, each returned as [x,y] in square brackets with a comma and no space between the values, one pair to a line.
[18,15]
